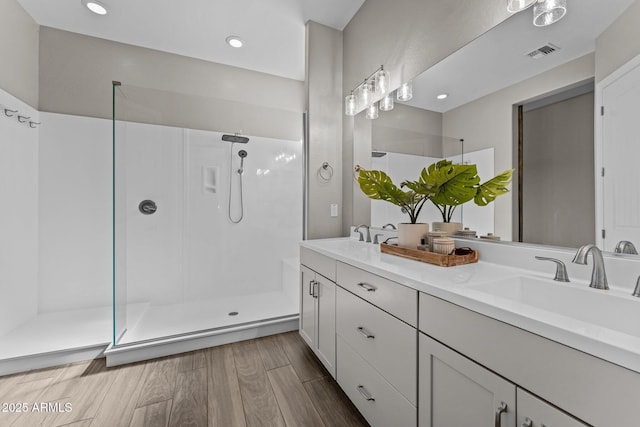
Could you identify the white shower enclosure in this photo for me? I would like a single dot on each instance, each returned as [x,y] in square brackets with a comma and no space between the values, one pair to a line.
[183,266]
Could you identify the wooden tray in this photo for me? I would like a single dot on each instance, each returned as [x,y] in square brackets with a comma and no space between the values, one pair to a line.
[429,257]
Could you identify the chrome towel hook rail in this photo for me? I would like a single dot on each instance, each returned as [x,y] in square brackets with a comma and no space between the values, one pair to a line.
[8,112]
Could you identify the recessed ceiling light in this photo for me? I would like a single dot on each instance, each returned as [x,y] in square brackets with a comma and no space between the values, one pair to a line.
[95,7]
[234,41]
[442,96]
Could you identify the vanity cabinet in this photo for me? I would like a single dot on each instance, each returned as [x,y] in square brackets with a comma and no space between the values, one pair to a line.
[454,391]
[318,306]
[376,346]
[534,412]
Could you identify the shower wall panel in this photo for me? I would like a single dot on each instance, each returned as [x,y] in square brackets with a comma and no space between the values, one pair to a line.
[19,215]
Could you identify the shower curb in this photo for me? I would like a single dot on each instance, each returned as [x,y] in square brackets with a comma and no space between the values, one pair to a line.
[122,354]
[52,358]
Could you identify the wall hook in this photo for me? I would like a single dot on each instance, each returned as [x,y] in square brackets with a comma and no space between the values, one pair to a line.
[9,113]
[33,124]
[23,119]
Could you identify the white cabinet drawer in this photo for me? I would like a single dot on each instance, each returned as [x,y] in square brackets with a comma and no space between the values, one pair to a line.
[380,403]
[385,342]
[319,263]
[392,297]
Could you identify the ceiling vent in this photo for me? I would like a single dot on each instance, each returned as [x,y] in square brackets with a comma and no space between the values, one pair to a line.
[543,51]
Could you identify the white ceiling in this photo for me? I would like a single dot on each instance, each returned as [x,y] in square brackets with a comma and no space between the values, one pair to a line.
[498,58]
[273,30]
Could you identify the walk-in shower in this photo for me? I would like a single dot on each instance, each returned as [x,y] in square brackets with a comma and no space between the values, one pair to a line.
[189,269]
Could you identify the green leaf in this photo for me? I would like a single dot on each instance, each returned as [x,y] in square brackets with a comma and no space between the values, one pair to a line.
[378,186]
[488,191]
[454,184]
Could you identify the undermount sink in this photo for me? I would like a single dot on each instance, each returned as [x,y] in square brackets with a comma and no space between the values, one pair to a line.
[607,309]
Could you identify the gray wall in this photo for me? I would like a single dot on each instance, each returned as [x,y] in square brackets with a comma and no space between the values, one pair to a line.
[407,37]
[489,122]
[558,180]
[76,72]
[619,43]
[324,106]
[19,52]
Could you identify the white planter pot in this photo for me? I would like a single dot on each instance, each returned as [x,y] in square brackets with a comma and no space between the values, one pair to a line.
[411,235]
[450,227]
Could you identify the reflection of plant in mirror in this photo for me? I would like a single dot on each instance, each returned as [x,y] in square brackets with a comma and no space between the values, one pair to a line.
[377,185]
[456,184]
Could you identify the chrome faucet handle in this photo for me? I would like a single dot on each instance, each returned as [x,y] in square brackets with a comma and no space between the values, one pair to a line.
[561,270]
[393,227]
[598,275]
[626,247]
[375,238]
[636,292]
[368,232]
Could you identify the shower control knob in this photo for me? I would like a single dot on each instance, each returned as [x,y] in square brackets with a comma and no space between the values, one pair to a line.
[147,207]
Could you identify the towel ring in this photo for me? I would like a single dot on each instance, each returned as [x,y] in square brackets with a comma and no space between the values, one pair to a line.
[325,172]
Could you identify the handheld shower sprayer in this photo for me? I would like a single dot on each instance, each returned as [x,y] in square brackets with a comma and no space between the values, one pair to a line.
[242,154]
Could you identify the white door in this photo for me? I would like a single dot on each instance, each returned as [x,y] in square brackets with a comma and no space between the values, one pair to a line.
[620,133]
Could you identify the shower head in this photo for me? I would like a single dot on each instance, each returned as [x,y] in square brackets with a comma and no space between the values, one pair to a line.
[242,154]
[235,138]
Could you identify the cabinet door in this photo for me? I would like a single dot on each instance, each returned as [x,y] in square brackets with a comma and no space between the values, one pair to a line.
[307,306]
[326,323]
[454,391]
[533,412]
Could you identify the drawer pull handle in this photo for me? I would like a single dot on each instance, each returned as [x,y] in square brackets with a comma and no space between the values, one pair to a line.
[367,287]
[363,391]
[499,411]
[527,422]
[365,334]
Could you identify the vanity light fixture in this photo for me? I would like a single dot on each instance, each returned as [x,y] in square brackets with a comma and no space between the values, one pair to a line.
[514,6]
[234,41]
[367,94]
[547,12]
[372,111]
[95,7]
[405,92]
[386,103]
[442,96]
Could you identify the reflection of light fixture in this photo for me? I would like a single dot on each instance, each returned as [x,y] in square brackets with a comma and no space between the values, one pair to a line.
[386,103]
[405,92]
[368,93]
[546,12]
[442,96]
[234,41]
[519,5]
[95,7]
[372,111]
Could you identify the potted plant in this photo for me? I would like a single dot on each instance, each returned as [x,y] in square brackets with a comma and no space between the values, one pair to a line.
[377,185]
[456,184]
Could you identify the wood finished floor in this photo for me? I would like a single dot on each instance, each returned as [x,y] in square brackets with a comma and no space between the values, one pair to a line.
[271,381]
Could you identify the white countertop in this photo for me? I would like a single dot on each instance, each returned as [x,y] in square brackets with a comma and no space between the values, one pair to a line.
[455,284]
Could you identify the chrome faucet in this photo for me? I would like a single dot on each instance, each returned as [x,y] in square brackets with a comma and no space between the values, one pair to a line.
[393,227]
[598,276]
[357,229]
[626,247]
[375,238]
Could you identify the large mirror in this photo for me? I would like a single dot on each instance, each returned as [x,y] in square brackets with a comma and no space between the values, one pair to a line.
[524,97]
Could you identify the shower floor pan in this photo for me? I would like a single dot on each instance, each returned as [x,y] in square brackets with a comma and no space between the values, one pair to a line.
[162,330]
